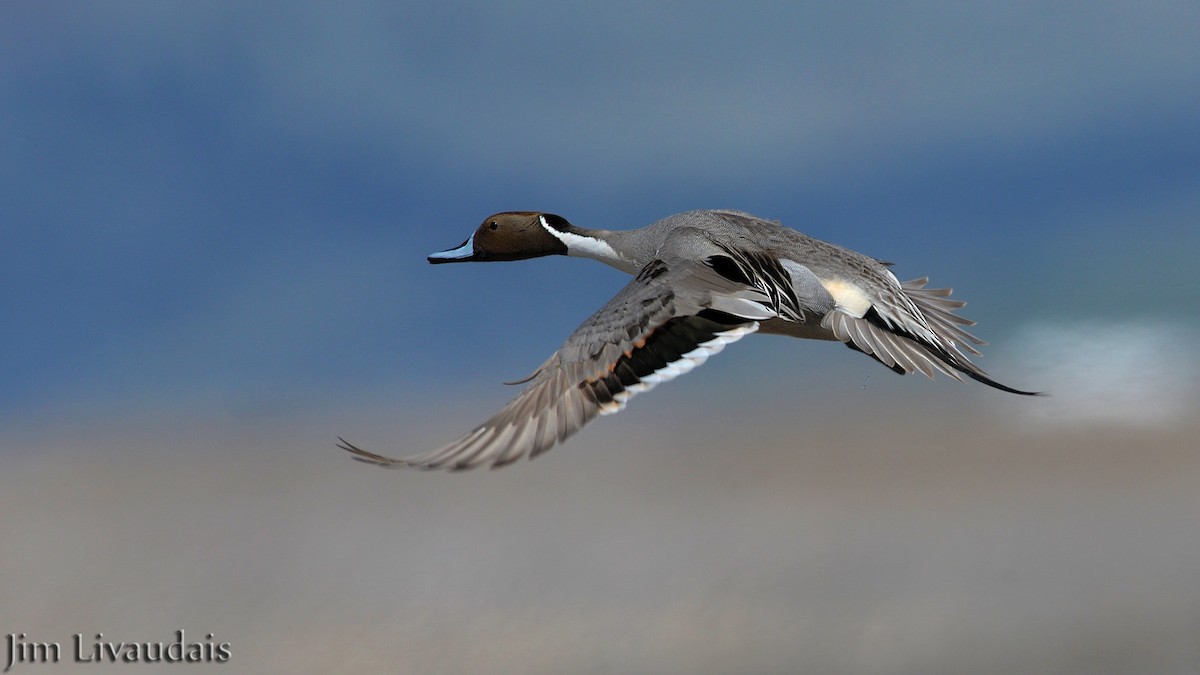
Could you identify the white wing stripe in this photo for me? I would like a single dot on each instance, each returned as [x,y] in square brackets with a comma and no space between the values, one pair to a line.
[684,365]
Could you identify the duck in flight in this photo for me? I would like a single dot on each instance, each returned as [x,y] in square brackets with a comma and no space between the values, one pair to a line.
[702,280]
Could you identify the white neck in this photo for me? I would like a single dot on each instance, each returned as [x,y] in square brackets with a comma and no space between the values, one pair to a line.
[586,246]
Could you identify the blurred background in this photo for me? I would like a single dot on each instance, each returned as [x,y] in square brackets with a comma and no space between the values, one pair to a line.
[213,226]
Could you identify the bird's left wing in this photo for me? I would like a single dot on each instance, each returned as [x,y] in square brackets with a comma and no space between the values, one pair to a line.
[668,320]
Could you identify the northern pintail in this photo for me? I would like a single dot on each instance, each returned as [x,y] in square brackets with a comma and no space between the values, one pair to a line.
[703,279]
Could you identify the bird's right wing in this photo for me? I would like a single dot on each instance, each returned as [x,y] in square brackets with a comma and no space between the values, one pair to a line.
[668,320]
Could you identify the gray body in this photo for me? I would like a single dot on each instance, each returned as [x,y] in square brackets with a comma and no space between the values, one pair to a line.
[703,279]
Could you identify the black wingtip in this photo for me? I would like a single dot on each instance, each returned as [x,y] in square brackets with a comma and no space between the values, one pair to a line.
[949,357]
[361,455]
[1002,387]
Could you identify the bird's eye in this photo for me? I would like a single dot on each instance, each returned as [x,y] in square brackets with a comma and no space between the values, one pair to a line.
[493,225]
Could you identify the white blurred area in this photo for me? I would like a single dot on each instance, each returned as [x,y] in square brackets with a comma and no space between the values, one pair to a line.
[933,532]
[1111,373]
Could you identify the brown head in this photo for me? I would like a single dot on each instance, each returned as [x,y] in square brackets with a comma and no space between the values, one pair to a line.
[513,235]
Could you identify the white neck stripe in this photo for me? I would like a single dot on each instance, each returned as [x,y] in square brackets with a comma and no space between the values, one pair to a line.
[584,247]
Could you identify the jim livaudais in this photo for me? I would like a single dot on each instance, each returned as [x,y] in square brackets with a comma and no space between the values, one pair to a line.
[99,650]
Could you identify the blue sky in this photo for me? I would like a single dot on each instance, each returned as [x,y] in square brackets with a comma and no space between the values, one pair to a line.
[208,205]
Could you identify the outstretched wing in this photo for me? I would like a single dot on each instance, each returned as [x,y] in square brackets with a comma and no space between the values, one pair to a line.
[665,322]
